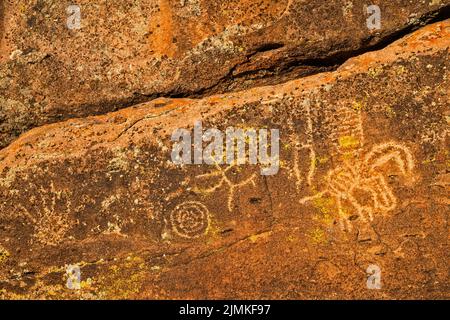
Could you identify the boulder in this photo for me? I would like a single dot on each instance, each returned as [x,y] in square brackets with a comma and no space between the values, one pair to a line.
[357,209]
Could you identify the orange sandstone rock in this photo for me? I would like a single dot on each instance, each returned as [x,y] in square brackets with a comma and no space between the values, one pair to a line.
[127,52]
[363,182]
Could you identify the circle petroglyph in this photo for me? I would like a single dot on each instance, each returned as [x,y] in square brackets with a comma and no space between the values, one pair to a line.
[190,220]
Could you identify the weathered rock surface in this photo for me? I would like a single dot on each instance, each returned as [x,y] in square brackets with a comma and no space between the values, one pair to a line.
[128,52]
[364,180]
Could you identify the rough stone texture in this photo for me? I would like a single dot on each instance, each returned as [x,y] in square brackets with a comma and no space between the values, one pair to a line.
[363,180]
[131,51]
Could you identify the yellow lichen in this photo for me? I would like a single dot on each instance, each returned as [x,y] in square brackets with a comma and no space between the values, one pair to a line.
[348,142]
[324,204]
[124,280]
[429,161]
[317,236]
[291,238]
[255,237]
[325,218]
[400,70]
[4,255]
[322,160]
[389,111]
[357,105]
[374,72]
[120,162]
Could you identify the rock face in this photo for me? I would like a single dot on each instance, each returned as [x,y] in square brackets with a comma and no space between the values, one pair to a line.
[362,185]
[55,66]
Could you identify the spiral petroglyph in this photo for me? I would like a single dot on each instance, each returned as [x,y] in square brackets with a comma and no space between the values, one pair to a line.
[190,220]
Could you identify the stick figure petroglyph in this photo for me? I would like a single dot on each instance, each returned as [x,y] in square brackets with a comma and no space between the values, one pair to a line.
[220,178]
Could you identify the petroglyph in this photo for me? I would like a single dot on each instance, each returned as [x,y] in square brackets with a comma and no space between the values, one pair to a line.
[49,214]
[348,137]
[94,208]
[220,179]
[358,181]
[190,220]
[287,11]
[309,146]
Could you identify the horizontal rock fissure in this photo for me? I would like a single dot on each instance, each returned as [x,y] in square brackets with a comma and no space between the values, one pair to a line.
[329,63]
[321,64]
[290,67]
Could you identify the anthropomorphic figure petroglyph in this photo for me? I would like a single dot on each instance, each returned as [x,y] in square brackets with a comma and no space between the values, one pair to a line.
[359,174]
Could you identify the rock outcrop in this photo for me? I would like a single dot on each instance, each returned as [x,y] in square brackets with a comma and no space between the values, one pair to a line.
[362,184]
[123,53]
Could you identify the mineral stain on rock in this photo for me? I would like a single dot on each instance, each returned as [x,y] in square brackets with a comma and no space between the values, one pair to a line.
[86,177]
